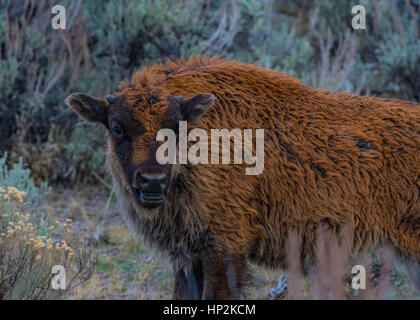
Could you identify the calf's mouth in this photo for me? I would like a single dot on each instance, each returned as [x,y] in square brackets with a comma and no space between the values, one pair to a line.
[149,199]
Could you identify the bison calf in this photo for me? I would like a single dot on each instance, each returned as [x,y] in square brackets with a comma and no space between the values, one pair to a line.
[334,159]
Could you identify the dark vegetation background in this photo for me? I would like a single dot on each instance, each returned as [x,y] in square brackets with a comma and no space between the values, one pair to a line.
[43,143]
[106,41]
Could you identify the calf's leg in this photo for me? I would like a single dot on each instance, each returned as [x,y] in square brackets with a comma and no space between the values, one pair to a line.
[186,286]
[223,276]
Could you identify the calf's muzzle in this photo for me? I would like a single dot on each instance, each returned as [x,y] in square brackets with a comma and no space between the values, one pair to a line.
[149,187]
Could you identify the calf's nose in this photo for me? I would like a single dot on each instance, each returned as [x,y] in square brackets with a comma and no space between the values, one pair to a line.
[150,183]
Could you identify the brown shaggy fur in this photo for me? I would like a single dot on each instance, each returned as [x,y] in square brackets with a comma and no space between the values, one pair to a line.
[330,158]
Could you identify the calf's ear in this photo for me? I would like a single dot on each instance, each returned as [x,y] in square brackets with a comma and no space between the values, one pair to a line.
[89,108]
[195,107]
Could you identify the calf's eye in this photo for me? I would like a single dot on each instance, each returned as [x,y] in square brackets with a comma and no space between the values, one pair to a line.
[117,131]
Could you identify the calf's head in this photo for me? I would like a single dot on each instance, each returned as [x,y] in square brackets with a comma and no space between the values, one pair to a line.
[132,121]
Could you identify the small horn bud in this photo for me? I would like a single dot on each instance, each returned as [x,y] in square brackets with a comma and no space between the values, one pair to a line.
[111,98]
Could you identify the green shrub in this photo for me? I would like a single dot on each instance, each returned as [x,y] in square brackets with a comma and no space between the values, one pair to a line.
[30,245]
[397,63]
[19,177]
[66,157]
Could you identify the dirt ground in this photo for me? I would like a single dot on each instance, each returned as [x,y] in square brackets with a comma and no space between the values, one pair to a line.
[128,269]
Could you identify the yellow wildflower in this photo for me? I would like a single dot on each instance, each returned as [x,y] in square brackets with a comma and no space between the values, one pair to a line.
[12,190]
[39,244]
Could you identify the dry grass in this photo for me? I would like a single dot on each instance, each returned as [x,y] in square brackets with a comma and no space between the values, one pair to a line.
[125,268]
[128,269]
